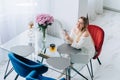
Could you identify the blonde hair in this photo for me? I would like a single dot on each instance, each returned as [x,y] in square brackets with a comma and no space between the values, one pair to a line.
[85,20]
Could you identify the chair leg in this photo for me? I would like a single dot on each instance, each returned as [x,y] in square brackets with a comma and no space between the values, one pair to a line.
[79,73]
[98,60]
[7,73]
[68,77]
[89,72]
[5,76]
[16,77]
[91,68]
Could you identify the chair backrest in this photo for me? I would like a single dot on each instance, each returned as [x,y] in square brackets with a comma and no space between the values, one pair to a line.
[97,34]
[24,66]
[55,29]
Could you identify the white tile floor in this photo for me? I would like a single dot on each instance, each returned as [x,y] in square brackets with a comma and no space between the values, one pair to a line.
[110,57]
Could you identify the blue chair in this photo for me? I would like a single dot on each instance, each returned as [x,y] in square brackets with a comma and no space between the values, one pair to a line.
[28,69]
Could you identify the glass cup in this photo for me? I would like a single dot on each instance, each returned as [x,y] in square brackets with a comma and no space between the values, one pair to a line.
[52,48]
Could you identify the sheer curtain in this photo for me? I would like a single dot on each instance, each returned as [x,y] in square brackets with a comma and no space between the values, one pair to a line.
[16,14]
[95,7]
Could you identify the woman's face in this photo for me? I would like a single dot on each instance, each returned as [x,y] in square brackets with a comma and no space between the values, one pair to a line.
[80,24]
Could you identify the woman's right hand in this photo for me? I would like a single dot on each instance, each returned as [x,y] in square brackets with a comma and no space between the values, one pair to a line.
[65,33]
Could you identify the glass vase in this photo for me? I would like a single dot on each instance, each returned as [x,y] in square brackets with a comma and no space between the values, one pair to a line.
[40,41]
[44,33]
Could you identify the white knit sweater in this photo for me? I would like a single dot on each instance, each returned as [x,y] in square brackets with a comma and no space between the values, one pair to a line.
[85,43]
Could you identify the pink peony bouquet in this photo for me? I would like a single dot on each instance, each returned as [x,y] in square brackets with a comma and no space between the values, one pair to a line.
[44,20]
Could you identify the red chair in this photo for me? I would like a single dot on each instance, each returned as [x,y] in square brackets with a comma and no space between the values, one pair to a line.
[97,35]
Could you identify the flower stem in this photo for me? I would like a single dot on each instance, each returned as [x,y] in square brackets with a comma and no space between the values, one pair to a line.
[44,33]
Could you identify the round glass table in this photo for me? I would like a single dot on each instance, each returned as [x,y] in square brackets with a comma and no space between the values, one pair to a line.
[60,60]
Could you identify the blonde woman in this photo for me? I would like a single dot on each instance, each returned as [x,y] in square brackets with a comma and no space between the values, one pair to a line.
[80,37]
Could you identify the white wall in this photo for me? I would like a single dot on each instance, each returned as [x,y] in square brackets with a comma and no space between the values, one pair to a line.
[113,4]
[68,11]
[83,8]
